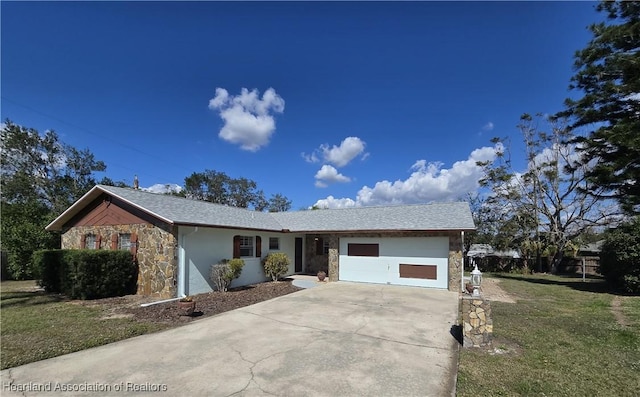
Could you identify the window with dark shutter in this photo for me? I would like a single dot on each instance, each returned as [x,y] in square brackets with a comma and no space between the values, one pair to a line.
[236,246]
[133,247]
[258,246]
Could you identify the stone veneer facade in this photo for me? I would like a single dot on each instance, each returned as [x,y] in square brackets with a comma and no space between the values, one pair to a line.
[331,260]
[477,325]
[156,253]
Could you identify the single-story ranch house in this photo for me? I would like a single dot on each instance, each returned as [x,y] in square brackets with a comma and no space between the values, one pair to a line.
[176,240]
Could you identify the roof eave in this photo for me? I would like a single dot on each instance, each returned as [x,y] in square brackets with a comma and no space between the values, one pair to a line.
[383,230]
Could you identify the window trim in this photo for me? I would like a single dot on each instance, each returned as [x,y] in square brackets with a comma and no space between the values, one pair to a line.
[276,246]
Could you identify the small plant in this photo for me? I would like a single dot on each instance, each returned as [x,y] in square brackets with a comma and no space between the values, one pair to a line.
[186,299]
[276,264]
[224,272]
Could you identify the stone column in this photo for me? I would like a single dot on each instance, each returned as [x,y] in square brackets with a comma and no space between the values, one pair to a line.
[477,325]
[334,258]
[455,262]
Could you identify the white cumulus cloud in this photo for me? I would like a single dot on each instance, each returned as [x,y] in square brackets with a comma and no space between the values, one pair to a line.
[428,182]
[328,174]
[338,155]
[248,119]
[161,188]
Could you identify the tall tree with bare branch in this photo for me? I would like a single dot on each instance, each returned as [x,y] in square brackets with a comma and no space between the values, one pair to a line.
[547,206]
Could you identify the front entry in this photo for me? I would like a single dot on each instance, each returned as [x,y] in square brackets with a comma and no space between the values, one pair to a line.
[298,255]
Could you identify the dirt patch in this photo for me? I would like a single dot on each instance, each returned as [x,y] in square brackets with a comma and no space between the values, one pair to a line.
[208,304]
[616,309]
[492,291]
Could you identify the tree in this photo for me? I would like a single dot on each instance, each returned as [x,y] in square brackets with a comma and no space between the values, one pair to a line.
[544,209]
[620,256]
[279,203]
[608,74]
[41,177]
[217,187]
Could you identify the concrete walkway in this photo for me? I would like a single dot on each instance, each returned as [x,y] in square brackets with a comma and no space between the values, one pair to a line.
[337,339]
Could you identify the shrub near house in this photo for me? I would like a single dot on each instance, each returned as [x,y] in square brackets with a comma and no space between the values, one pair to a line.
[86,274]
[224,272]
[276,265]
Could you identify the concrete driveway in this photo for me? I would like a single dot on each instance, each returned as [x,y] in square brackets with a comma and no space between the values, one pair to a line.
[338,339]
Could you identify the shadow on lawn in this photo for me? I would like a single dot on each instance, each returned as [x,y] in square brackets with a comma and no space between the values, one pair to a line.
[24,298]
[594,284]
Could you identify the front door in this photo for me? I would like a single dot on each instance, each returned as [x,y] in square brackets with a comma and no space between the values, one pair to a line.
[298,255]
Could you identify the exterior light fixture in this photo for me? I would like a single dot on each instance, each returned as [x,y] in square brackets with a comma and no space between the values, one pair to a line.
[476,280]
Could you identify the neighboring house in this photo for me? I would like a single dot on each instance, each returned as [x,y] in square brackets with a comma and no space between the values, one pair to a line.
[486,250]
[176,240]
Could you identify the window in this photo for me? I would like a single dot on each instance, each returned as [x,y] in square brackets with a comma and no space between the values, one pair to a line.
[124,241]
[325,246]
[274,243]
[246,246]
[90,241]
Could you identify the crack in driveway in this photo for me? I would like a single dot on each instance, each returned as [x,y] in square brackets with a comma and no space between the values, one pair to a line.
[254,363]
[356,332]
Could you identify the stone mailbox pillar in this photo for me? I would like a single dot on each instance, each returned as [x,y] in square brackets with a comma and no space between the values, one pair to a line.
[477,326]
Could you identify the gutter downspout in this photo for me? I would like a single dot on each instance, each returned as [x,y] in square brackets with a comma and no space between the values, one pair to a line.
[463,256]
[182,269]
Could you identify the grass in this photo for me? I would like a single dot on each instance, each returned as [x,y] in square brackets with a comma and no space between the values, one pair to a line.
[35,325]
[561,339]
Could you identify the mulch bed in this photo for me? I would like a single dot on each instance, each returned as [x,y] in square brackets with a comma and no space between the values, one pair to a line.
[208,304]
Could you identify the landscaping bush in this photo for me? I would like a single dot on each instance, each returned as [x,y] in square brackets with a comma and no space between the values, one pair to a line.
[86,274]
[224,272]
[276,265]
[620,257]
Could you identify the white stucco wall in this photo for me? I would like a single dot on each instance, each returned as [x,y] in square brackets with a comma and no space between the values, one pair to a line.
[199,249]
[384,269]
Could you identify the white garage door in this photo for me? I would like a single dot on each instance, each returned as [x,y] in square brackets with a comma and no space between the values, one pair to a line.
[417,261]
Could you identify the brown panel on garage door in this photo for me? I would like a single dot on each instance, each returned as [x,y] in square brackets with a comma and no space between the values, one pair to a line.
[429,272]
[363,250]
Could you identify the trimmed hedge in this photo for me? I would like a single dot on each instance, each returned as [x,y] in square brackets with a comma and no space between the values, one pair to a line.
[86,274]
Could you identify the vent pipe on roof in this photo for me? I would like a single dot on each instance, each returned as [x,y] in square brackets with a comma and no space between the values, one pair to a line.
[136,185]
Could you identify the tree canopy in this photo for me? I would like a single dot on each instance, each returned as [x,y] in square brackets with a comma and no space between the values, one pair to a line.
[217,187]
[608,75]
[41,177]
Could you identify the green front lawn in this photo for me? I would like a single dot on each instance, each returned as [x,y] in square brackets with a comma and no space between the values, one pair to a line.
[35,325]
[561,338]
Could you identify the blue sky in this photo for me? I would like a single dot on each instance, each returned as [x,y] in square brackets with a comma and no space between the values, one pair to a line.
[359,103]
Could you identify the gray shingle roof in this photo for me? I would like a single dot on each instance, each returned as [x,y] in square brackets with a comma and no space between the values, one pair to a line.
[437,216]
[178,210]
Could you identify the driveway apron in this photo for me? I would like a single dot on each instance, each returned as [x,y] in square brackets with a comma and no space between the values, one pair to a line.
[338,339]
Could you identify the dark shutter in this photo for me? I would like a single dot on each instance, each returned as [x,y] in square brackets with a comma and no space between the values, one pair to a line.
[319,246]
[98,241]
[83,241]
[258,247]
[236,246]
[114,241]
[133,247]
